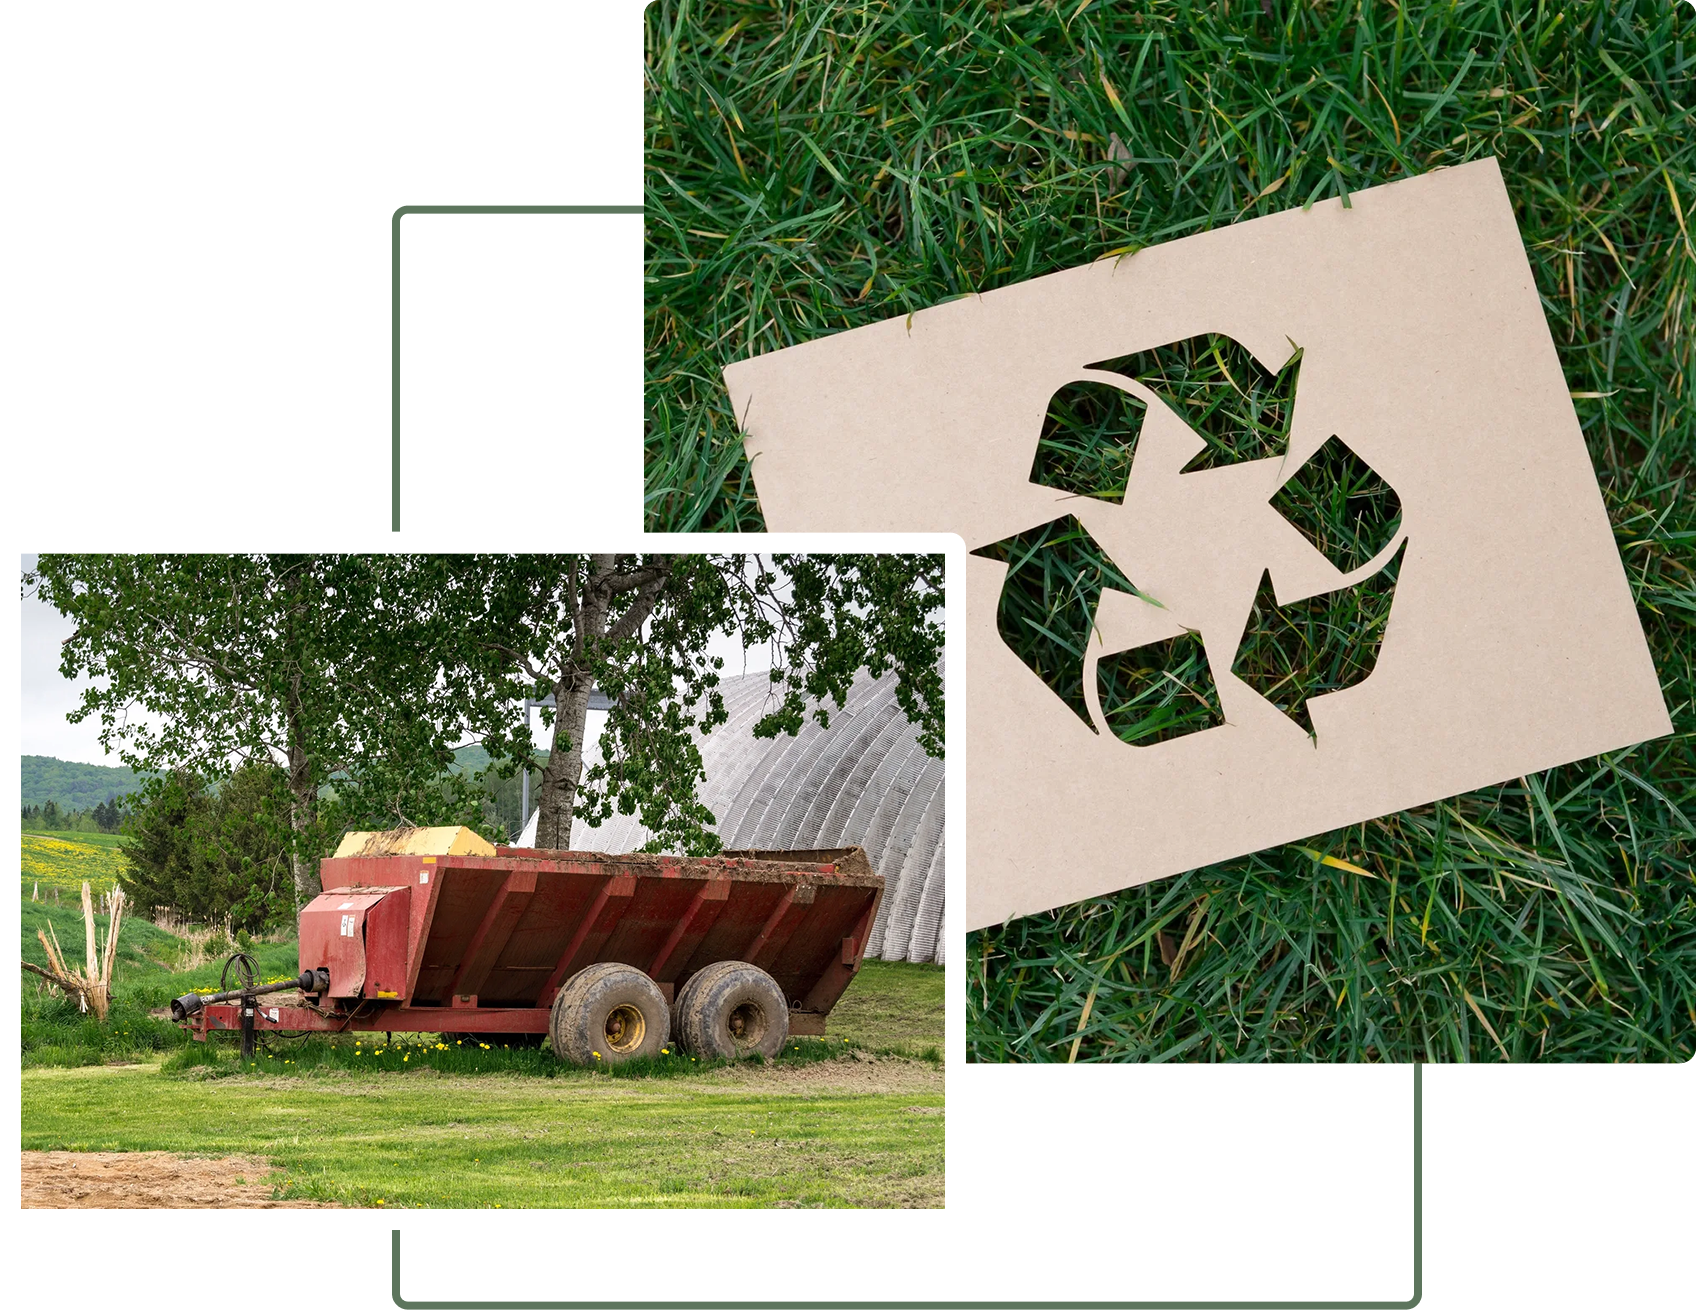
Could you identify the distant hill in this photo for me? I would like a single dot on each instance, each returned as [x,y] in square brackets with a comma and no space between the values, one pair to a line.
[82,786]
[474,758]
[73,786]
[469,759]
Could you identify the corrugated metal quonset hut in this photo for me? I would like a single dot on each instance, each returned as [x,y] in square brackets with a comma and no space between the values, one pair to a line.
[863,782]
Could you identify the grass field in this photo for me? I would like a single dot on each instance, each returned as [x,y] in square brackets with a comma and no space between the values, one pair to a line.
[854,1119]
[845,1133]
[893,1007]
[64,860]
[107,841]
[816,167]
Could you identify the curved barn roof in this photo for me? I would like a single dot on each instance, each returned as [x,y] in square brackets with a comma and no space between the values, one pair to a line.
[863,782]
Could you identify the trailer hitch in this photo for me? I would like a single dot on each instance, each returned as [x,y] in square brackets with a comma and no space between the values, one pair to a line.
[186,1007]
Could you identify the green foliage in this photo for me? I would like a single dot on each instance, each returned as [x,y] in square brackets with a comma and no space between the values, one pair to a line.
[502,796]
[55,1031]
[892,1006]
[147,973]
[345,681]
[1340,505]
[638,627]
[819,166]
[848,612]
[1158,691]
[210,854]
[193,1055]
[1089,437]
[369,1054]
[105,817]
[1310,647]
[323,664]
[277,961]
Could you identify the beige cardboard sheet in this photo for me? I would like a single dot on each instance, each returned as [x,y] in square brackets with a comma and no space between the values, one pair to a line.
[1512,644]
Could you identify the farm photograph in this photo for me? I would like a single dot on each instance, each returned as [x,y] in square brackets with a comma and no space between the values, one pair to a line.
[482,881]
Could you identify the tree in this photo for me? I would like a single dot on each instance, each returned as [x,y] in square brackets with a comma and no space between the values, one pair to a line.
[210,852]
[107,815]
[638,626]
[319,664]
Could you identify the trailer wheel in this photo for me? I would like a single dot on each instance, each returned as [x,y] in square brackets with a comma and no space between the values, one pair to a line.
[731,1010]
[607,1014]
[680,1003]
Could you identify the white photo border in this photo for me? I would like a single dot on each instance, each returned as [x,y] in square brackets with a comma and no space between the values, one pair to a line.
[139,1237]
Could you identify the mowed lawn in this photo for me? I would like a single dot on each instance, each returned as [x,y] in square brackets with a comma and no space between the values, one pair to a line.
[805,1137]
[864,1128]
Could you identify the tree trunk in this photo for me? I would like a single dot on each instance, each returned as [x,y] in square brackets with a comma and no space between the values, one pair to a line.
[564,771]
[302,800]
[300,819]
[303,795]
[592,630]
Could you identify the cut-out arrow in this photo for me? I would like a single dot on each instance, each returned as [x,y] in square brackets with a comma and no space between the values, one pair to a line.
[1292,653]
[1055,576]
[1214,384]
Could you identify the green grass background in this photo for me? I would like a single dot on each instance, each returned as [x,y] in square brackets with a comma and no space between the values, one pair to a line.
[812,167]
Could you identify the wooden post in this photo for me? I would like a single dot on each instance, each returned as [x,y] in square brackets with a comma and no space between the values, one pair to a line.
[110,956]
[88,924]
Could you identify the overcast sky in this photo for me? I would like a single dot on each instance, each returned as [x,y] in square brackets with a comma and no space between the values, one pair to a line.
[47,697]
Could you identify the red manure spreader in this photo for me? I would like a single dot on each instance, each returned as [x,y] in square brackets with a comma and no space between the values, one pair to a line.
[609,956]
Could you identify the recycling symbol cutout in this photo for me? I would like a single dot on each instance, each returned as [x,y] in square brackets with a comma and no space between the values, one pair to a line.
[1219,411]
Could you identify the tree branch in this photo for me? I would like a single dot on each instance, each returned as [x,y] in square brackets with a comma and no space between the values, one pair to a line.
[630,622]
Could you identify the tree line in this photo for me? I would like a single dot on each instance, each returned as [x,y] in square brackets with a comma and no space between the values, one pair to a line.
[278,701]
[49,817]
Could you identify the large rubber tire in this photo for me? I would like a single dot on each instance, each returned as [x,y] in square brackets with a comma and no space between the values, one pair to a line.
[679,1000]
[732,1010]
[607,1014]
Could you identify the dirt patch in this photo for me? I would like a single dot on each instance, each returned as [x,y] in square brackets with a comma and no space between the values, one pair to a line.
[147,1180]
[857,1072]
